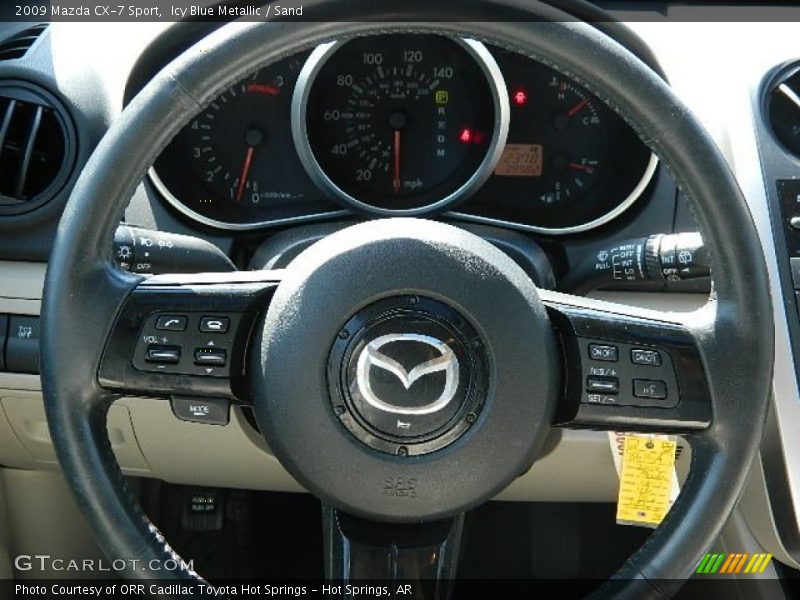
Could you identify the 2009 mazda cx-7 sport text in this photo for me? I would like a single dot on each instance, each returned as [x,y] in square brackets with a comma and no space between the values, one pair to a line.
[425,300]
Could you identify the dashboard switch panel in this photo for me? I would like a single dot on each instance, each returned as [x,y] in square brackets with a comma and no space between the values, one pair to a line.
[789,197]
[22,346]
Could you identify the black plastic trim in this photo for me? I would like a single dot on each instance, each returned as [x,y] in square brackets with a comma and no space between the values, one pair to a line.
[243,302]
[575,325]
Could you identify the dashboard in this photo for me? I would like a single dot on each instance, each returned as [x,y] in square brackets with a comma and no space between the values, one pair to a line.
[524,150]
[405,125]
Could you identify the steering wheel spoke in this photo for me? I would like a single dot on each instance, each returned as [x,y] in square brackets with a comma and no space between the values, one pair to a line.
[186,335]
[629,368]
[422,555]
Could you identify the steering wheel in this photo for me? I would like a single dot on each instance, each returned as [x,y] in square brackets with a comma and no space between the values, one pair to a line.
[513,358]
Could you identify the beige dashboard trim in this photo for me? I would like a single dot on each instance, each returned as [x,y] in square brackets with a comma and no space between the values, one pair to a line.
[577,465]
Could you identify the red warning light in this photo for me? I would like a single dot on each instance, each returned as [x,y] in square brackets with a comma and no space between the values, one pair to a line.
[520,97]
[465,137]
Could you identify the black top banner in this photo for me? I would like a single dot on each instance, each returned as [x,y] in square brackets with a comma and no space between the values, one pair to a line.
[32,11]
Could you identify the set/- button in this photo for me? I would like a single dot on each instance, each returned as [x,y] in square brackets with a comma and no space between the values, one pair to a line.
[601,399]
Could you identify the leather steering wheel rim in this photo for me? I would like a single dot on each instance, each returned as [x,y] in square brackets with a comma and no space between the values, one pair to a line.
[84,291]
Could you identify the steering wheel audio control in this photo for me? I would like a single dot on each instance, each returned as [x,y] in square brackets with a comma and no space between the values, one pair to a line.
[411,377]
[186,344]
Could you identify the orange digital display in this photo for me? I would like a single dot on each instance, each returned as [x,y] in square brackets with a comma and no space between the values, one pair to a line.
[520,160]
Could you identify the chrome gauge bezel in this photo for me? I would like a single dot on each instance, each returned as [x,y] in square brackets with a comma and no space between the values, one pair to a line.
[502,117]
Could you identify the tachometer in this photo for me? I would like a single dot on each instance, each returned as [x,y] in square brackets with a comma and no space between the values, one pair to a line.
[400,123]
[234,166]
[570,162]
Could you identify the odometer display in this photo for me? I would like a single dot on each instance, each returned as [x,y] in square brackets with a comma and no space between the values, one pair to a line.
[400,123]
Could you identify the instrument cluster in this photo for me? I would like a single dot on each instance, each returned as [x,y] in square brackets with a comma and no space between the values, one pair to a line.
[402,125]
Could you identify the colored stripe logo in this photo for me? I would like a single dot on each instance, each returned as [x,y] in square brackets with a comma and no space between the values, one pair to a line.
[733,563]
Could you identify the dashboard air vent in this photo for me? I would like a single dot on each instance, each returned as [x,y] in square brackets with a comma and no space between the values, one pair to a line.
[18,44]
[36,147]
[783,109]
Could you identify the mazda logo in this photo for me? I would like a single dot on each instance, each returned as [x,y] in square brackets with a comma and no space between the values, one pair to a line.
[371,358]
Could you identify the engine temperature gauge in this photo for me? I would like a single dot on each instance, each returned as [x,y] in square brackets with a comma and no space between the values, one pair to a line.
[572,161]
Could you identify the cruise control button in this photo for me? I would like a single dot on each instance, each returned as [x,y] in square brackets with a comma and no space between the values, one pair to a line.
[163,354]
[600,399]
[603,352]
[171,323]
[607,385]
[214,324]
[648,388]
[212,411]
[210,357]
[650,358]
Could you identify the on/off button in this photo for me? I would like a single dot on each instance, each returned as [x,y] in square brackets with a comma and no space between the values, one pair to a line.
[603,352]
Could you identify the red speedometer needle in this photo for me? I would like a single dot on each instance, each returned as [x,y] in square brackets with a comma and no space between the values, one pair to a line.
[397,146]
[248,161]
[578,107]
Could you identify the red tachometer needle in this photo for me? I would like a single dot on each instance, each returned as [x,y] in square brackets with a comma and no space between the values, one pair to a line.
[248,161]
[397,147]
[578,107]
[260,88]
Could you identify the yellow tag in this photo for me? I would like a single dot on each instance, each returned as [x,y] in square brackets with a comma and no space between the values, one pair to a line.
[646,480]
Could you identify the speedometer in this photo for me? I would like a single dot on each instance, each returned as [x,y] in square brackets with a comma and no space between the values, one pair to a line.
[400,124]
